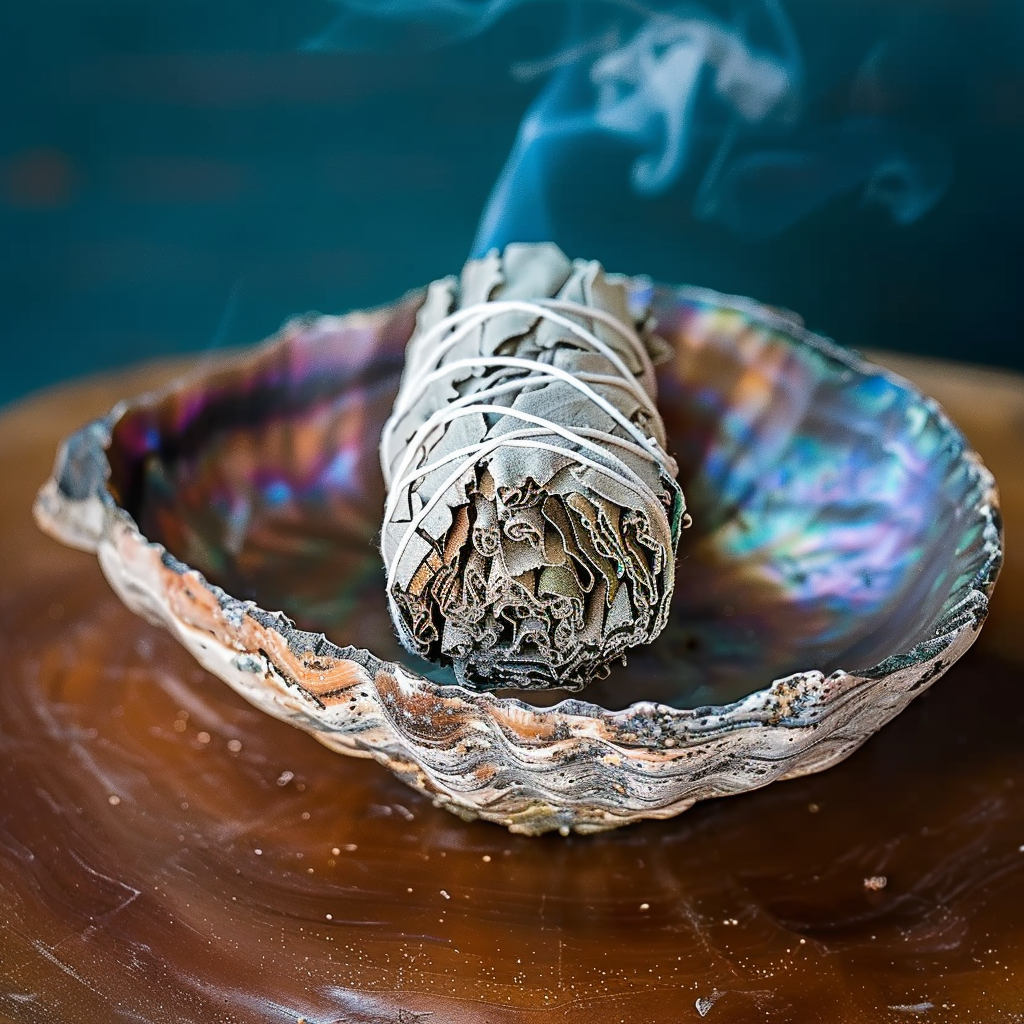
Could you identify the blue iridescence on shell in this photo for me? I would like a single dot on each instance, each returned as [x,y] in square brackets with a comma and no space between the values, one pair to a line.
[833,512]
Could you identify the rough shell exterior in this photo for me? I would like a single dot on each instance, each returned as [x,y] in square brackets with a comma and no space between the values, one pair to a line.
[571,767]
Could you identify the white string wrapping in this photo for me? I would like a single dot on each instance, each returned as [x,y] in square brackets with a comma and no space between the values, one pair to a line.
[598,451]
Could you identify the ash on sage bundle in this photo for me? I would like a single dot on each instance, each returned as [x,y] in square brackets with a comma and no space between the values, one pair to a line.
[532,514]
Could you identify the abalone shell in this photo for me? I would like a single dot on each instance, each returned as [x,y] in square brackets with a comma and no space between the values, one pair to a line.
[846,540]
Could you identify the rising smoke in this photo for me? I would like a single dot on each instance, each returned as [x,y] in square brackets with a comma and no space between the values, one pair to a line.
[713,101]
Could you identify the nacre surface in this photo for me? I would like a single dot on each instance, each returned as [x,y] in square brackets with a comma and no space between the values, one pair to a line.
[845,543]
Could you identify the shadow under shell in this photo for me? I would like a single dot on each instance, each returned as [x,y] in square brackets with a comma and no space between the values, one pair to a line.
[829,505]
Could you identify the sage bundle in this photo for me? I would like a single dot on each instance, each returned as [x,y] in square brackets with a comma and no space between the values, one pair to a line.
[532,512]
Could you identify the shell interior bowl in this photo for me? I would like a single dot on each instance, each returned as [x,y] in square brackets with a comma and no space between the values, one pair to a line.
[845,544]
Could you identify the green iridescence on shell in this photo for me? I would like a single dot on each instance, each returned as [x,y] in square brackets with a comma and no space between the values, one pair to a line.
[846,542]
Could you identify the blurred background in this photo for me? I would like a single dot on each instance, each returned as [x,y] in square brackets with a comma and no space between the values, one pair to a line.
[184,176]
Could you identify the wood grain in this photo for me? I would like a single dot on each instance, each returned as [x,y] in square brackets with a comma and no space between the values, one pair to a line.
[169,854]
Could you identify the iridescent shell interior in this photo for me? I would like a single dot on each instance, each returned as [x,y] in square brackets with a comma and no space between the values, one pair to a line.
[834,515]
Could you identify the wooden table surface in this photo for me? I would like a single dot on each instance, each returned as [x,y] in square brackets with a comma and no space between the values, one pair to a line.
[167,854]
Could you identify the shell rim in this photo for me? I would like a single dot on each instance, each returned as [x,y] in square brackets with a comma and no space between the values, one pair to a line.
[82,470]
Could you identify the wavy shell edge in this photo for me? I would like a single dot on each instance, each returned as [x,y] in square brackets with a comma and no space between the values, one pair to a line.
[573,767]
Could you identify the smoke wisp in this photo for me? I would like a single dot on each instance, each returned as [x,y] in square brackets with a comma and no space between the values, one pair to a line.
[713,101]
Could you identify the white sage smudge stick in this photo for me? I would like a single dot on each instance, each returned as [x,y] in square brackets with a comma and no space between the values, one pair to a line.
[532,512]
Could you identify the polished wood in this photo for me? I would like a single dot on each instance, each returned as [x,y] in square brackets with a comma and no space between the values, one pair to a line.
[169,854]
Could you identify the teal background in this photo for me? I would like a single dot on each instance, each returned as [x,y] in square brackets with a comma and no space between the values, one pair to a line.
[185,176]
